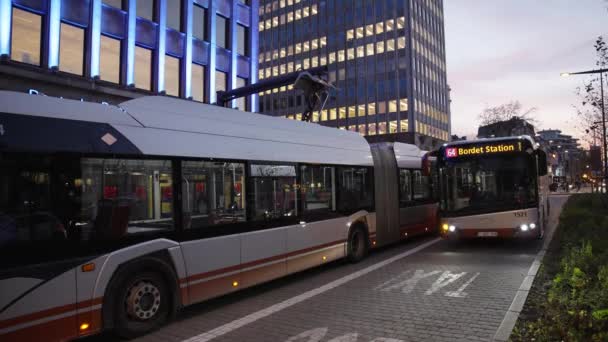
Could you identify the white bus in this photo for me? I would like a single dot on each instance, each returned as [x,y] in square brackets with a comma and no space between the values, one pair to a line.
[114,217]
[493,188]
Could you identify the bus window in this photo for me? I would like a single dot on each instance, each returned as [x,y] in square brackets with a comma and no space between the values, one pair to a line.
[356,189]
[317,189]
[212,193]
[124,196]
[422,189]
[405,187]
[273,192]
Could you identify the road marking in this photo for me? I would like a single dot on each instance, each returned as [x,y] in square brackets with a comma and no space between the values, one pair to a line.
[317,334]
[460,292]
[444,280]
[236,324]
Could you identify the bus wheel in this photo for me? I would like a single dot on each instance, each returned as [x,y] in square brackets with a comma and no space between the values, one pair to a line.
[357,244]
[143,303]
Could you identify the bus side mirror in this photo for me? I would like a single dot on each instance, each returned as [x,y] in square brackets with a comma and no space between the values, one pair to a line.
[542,162]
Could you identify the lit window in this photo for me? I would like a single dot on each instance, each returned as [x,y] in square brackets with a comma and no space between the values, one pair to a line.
[275,71]
[361,110]
[198,82]
[275,21]
[371,109]
[261,26]
[323,41]
[172,75]
[305,46]
[371,128]
[298,14]
[403,105]
[298,48]
[289,17]
[323,60]
[404,125]
[392,106]
[360,51]
[401,22]
[282,53]
[350,34]
[314,62]
[359,32]
[351,53]
[369,30]
[282,4]
[174,17]
[332,114]
[143,68]
[324,115]
[314,44]
[268,24]
[341,56]
[220,81]
[332,57]
[381,107]
[379,28]
[370,49]
[392,127]
[342,112]
[382,128]
[305,12]
[389,25]
[313,9]
[306,63]
[390,45]
[290,67]
[352,112]
[380,47]
[25,37]
[401,43]
[71,49]
[109,59]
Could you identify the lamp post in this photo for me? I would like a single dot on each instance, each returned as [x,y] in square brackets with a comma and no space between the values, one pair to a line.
[605,154]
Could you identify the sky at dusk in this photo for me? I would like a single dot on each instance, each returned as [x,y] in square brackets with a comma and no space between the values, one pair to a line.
[503,50]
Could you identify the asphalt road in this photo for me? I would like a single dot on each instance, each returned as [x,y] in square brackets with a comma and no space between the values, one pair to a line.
[422,290]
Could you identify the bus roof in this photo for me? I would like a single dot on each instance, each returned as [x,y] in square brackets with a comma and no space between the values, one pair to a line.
[166,126]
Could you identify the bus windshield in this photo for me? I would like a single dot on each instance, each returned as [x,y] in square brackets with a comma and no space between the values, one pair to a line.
[488,184]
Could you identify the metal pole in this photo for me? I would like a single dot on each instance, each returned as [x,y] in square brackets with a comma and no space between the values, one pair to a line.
[604,131]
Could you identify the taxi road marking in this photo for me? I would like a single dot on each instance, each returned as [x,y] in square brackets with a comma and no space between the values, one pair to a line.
[238,323]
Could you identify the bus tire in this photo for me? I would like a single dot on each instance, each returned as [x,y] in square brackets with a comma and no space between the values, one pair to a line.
[357,246]
[141,298]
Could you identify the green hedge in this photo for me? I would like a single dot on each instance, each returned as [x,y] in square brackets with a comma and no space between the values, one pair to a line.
[575,304]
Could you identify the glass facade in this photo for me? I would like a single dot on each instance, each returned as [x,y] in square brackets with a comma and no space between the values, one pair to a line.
[135,44]
[386,57]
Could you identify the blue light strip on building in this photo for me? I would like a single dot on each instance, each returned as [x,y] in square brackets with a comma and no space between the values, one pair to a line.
[129,57]
[233,47]
[159,75]
[95,38]
[186,72]
[212,50]
[5,27]
[54,19]
[253,48]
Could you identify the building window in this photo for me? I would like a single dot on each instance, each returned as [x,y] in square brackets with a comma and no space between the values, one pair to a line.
[109,59]
[221,32]
[174,15]
[113,3]
[26,37]
[143,68]
[198,83]
[71,49]
[241,40]
[241,102]
[172,75]
[199,22]
[220,81]
[145,9]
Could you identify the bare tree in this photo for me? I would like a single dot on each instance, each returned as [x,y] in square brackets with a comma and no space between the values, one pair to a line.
[505,112]
[589,111]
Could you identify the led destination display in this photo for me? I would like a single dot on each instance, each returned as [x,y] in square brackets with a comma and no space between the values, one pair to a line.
[483,149]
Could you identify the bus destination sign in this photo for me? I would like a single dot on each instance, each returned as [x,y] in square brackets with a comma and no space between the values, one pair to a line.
[485,149]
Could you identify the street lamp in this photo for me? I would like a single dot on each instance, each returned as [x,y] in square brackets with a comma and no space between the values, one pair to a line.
[601,72]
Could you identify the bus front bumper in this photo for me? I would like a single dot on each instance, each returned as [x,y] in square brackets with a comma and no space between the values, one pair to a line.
[504,233]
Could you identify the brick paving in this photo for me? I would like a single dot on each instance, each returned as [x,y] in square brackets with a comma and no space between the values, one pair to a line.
[446,292]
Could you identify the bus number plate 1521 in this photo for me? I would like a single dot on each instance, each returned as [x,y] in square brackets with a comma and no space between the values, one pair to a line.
[521,214]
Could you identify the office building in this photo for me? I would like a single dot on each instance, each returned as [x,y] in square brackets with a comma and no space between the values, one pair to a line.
[386,57]
[113,50]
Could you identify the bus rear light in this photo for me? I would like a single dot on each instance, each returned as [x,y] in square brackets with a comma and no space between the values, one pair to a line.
[324,258]
[235,283]
[84,326]
[445,227]
[90,267]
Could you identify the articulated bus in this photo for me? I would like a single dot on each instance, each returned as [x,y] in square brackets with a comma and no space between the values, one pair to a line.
[493,188]
[114,217]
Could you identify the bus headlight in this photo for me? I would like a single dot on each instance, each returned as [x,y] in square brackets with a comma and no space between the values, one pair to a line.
[523,227]
[532,225]
[452,228]
[445,227]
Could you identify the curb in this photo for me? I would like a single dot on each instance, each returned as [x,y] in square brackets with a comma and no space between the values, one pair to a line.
[508,323]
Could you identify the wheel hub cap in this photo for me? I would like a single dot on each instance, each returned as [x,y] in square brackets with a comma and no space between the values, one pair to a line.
[143,300]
